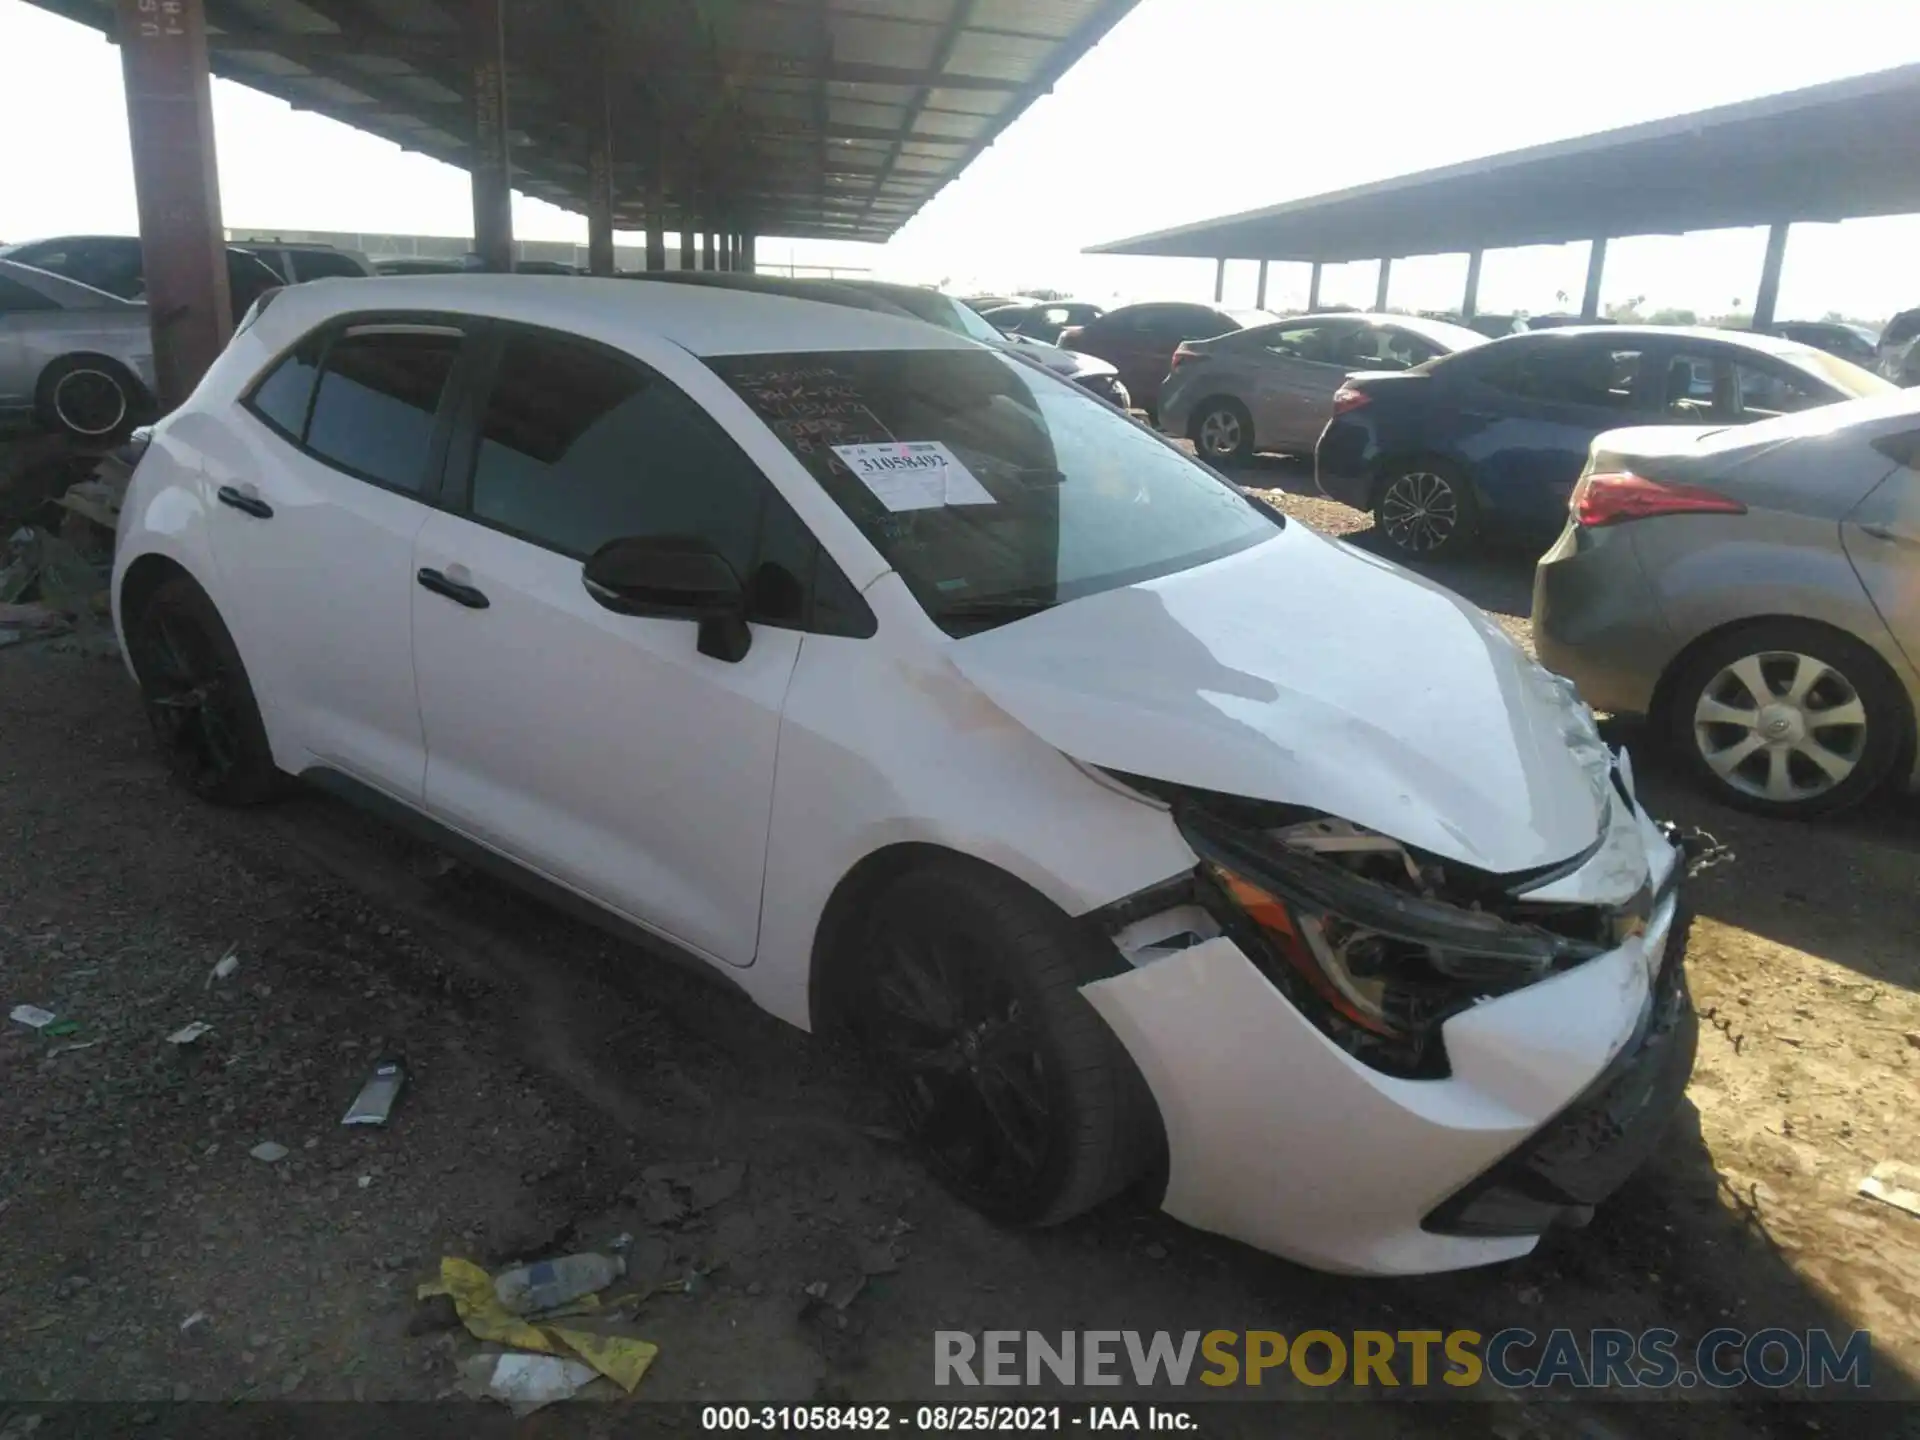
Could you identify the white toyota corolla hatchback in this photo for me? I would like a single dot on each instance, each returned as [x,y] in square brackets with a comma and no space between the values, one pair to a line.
[1129,826]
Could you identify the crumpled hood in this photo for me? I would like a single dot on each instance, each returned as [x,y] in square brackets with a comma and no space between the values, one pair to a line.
[1307,672]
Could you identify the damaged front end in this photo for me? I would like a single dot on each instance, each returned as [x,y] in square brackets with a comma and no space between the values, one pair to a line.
[1374,1059]
[1375,942]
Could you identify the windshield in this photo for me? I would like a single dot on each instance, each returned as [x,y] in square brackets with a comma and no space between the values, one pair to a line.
[947,313]
[993,488]
[1843,374]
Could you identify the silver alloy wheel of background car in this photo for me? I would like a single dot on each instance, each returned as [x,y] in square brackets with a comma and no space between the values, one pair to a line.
[1780,726]
[1220,433]
[90,402]
[1420,511]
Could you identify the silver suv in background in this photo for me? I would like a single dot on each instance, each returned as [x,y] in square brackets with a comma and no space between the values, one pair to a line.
[1899,355]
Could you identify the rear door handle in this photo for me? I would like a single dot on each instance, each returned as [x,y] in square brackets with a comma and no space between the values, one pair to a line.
[1887,532]
[246,504]
[460,594]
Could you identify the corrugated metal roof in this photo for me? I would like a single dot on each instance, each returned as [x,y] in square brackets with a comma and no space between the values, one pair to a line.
[830,118]
[1828,152]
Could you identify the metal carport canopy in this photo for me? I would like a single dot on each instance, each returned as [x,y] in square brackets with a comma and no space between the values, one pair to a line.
[809,118]
[1830,152]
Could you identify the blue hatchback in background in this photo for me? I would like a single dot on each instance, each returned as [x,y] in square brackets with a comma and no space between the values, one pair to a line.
[1488,442]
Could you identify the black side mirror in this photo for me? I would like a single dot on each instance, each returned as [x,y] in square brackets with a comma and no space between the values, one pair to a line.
[674,577]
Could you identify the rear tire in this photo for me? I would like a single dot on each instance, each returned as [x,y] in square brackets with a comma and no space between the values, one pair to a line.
[198,698]
[969,1009]
[1424,510]
[1222,431]
[1826,734]
[88,397]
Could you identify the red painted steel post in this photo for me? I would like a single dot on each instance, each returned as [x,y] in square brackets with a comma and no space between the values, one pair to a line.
[163,55]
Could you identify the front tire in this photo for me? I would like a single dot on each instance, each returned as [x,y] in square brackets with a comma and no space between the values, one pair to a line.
[1222,432]
[1424,509]
[1013,1088]
[1788,719]
[198,698]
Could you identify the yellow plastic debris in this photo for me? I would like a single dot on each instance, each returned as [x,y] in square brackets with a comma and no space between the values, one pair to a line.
[620,1358]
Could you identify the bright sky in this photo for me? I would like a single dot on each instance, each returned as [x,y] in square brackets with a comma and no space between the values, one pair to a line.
[1189,109]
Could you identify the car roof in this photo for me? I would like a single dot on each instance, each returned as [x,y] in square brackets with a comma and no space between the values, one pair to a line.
[1772,344]
[703,319]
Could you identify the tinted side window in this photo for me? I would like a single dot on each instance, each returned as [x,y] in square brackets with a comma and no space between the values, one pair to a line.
[579,446]
[1597,376]
[1196,322]
[1386,347]
[15,298]
[1300,342]
[1766,392]
[373,413]
[313,264]
[1902,328]
[282,398]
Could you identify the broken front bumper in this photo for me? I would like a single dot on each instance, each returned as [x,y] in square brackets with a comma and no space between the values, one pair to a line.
[1278,1137]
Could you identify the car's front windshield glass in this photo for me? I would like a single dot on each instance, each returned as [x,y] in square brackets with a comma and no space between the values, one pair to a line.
[992,488]
[1843,374]
[946,312]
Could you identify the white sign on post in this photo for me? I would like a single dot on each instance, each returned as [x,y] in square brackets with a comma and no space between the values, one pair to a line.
[914,474]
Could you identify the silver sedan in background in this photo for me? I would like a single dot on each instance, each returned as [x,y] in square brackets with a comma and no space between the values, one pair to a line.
[72,358]
[1271,387]
[1755,592]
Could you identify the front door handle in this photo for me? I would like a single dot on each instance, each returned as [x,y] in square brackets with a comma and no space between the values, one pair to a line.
[460,594]
[246,504]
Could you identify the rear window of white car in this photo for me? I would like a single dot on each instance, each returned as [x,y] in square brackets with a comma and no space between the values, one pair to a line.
[993,488]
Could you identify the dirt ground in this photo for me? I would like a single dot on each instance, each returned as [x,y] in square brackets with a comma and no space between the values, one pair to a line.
[146,1256]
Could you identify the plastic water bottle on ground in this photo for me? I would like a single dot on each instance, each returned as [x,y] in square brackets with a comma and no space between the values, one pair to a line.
[528,1289]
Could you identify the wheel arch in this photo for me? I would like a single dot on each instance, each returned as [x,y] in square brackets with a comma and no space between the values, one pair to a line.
[835,958]
[1659,708]
[144,575]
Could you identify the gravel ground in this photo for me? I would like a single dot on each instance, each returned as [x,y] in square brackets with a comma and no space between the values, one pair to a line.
[145,1255]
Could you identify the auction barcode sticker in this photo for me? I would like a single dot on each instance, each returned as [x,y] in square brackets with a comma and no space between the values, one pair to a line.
[914,474]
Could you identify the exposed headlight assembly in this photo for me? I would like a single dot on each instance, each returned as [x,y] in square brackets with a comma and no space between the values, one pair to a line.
[1376,967]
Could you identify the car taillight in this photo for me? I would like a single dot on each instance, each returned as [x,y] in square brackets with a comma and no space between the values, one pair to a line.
[1185,354]
[1613,496]
[1347,398]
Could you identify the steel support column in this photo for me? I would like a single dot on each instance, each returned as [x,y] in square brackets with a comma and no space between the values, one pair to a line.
[748,262]
[1471,300]
[1768,294]
[163,56]
[492,164]
[1260,294]
[1219,280]
[1596,267]
[709,252]
[686,249]
[1386,278]
[600,184]
[1313,288]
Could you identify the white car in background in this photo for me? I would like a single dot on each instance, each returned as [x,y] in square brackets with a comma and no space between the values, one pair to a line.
[916,692]
[72,358]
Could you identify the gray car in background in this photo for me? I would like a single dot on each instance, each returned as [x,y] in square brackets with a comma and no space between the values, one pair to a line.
[1755,592]
[72,358]
[1271,387]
